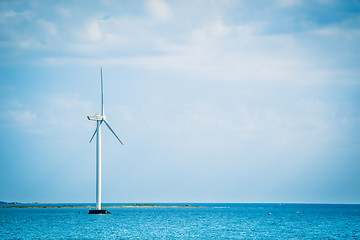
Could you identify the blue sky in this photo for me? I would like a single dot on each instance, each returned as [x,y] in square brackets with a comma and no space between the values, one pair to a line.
[216,101]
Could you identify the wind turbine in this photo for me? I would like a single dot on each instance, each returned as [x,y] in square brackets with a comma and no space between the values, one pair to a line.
[99,120]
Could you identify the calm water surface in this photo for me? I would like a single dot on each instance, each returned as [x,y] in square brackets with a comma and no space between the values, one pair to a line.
[211,221]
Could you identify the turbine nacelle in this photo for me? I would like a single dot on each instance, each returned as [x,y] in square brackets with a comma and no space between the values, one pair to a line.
[96,117]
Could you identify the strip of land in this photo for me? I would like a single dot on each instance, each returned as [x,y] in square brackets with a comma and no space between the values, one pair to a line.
[104,206]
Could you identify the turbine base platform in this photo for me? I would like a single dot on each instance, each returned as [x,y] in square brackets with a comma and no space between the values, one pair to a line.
[102,211]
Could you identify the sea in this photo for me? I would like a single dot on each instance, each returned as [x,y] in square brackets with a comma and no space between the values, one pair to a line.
[208,221]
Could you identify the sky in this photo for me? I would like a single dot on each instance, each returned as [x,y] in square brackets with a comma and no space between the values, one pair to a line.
[215,101]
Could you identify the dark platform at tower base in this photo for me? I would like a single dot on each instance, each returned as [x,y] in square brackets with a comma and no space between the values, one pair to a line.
[102,211]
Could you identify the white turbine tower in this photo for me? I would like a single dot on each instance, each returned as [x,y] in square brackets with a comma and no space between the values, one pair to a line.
[99,120]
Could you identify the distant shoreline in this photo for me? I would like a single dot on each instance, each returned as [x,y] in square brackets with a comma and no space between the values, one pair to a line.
[18,205]
[37,205]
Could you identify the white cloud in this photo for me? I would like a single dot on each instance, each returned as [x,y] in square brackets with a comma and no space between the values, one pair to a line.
[288,3]
[94,32]
[337,32]
[66,112]
[65,102]
[215,50]
[212,47]
[47,27]
[210,31]
[23,116]
[159,9]
[64,12]
[5,15]
[326,1]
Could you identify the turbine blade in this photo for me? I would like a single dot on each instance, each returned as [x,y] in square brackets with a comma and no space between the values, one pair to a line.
[108,125]
[102,94]
[95,132]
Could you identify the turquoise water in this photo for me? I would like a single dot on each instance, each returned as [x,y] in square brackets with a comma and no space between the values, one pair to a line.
[211,221]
